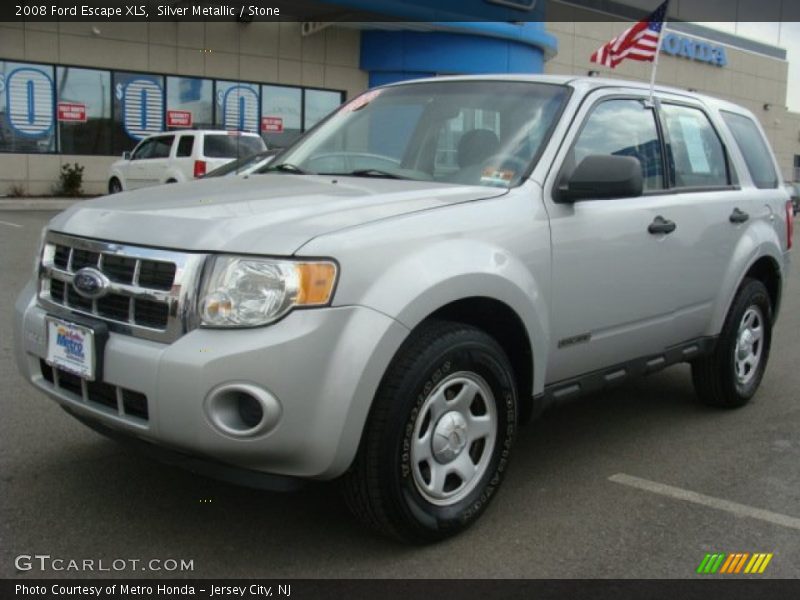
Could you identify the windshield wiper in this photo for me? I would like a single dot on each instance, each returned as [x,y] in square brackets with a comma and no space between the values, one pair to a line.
[288,168]
[372,173]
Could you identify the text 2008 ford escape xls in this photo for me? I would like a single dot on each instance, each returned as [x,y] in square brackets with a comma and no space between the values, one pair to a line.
[430,265]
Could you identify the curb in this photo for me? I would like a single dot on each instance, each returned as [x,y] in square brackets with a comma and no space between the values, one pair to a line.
[38,204]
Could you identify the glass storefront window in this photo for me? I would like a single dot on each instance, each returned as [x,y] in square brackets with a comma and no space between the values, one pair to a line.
[237,106]
[190,97]
[138,108]
[87,111]
[281,109]
[320,103]
[83,110]
[26,107]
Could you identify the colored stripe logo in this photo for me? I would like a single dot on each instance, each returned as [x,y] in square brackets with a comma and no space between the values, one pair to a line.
[735,563]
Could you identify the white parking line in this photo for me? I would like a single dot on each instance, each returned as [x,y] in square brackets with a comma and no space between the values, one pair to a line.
[10,224]
[741,510]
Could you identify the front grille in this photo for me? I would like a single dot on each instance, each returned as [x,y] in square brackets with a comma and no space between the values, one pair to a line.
[148,291]
[119,268]
[122,401]
[57,291]
[115,306]
[156,275]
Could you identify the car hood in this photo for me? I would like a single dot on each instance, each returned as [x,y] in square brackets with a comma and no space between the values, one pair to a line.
[263,214]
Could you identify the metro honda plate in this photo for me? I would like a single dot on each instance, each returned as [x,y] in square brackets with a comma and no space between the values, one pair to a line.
[70,347]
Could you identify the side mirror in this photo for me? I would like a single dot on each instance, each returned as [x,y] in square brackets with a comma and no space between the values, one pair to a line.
[603,176]
[126,155]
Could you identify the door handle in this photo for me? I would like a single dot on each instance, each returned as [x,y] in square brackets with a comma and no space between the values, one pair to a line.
[661,225]
[738,216]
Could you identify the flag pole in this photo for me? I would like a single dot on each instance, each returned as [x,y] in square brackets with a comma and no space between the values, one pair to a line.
[655,60]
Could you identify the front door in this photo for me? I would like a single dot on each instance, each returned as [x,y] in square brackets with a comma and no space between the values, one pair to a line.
[614,260]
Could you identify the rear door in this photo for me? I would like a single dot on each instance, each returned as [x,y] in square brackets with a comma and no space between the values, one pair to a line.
[184,151]
[709,207]
[615,265]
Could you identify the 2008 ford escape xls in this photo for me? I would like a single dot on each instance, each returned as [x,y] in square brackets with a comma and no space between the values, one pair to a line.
[429,266]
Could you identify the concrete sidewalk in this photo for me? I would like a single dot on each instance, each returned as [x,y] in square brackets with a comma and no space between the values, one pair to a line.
[38,203]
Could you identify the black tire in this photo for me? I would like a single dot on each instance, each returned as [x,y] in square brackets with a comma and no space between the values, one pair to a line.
[171,181]
[380,487]
[714,376]
[114,186]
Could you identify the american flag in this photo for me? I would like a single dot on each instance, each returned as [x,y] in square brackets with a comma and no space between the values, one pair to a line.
[639,42]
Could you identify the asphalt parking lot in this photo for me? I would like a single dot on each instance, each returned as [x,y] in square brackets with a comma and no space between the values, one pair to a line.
[637,482]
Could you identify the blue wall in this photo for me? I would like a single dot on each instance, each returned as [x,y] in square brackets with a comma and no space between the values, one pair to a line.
[454,37]
[391,56]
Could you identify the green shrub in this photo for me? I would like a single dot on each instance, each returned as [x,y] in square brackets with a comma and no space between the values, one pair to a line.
[17,191]
[70,181]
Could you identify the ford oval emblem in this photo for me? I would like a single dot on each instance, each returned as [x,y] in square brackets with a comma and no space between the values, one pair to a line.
[90,283]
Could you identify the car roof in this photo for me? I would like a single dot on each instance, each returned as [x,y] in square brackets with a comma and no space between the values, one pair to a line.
[204,131]
[586,84]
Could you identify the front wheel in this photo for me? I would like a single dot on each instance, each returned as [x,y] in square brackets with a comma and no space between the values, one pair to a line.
[731,375]
[439,435]
[114,186]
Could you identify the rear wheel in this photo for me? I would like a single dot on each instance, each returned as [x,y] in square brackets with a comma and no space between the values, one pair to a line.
[114,186]
[439,435]
[731,375]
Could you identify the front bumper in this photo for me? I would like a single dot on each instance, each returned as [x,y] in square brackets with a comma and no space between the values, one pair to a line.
[322,365]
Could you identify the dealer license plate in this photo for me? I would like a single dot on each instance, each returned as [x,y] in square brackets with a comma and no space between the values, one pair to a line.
[71,347]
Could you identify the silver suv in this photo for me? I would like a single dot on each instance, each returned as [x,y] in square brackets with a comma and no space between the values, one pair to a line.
[430,266]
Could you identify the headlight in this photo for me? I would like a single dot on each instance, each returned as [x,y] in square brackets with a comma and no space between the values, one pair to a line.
[240,291]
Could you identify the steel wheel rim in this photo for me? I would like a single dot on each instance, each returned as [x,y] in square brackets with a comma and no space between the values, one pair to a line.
[454,435]
[749,345]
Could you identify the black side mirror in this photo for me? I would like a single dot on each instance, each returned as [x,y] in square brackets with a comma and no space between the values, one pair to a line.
[603,176]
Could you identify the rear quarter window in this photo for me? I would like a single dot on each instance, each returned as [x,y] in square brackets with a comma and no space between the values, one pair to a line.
[754,149]
[231,146]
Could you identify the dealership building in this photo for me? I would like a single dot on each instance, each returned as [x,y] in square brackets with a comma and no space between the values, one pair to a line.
[85,92]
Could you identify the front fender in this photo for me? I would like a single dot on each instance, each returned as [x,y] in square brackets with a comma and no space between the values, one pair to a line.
[119,174]
[425,280]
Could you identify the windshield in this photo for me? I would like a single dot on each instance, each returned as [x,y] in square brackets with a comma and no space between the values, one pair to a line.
[469,132]
[231,145]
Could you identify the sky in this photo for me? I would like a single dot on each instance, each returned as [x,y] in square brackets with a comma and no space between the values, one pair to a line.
[786,35]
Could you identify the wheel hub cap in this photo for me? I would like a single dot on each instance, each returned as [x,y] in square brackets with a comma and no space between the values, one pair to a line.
[449,437]
[749,345]
[745,343]
[453,439]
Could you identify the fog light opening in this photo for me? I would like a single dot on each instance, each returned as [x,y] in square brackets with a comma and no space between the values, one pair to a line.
[250,411]
[242,409]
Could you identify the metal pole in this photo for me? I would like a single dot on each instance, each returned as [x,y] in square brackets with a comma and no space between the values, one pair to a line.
[655,61]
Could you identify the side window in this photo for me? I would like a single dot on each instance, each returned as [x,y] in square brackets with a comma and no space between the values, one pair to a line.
[622,128]
[185,145]
[162,146]
[694,151]
[143,150]
[754,149]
